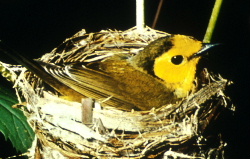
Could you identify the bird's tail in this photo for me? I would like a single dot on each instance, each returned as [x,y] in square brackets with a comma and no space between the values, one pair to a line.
[39,71]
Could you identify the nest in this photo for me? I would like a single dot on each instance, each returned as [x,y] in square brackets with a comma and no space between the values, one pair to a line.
[67,129]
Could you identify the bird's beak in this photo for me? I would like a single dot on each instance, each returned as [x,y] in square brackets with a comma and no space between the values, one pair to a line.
[204,49]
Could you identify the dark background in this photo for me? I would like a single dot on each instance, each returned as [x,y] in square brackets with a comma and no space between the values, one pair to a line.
[35,27]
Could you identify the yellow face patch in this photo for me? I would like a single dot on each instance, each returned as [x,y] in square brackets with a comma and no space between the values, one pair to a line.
[175,67]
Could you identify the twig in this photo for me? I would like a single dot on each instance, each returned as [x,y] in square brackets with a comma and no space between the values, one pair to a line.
[157,13]
[140,23]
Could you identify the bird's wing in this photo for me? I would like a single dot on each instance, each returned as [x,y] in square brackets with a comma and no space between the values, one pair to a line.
[91,83]
[114,81]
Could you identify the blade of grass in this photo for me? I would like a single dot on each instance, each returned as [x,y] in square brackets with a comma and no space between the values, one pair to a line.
[212,21]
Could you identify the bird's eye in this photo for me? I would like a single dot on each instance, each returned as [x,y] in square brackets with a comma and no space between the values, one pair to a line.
[178,59]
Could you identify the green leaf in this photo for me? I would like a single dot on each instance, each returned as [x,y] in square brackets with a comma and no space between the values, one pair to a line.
[13,123]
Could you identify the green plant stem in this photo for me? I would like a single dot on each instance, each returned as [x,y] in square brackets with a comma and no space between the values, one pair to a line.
[212,21]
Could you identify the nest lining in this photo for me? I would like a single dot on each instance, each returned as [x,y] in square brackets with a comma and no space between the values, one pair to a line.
[114,133]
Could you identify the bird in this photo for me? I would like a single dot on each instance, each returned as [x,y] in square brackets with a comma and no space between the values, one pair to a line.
[162,73]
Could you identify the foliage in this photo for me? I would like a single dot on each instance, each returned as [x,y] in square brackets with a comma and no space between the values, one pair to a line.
[13,123]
